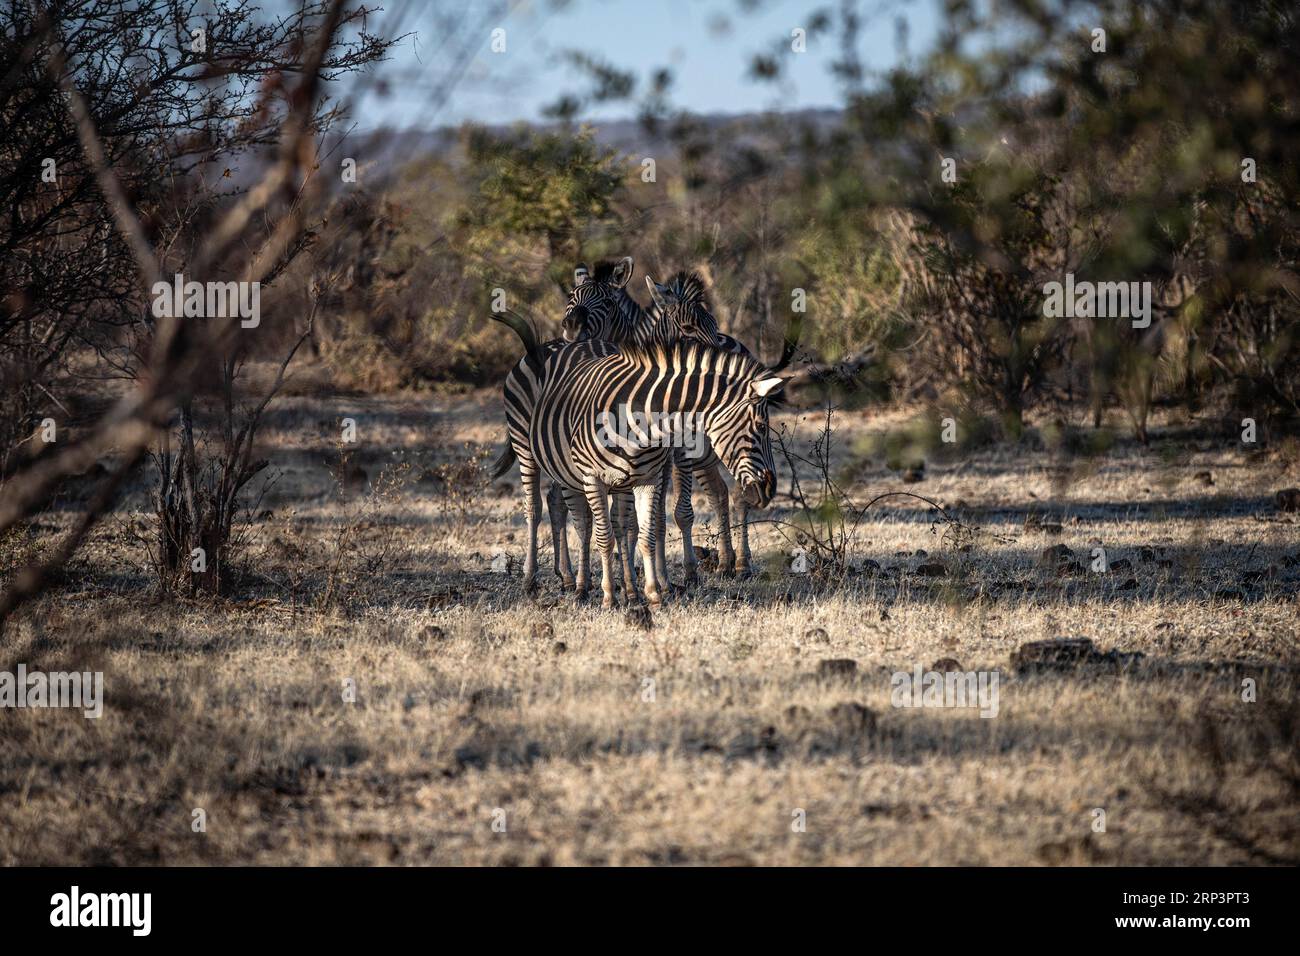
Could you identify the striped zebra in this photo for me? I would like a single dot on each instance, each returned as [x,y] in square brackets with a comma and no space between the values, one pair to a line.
[599,308]
[587,385]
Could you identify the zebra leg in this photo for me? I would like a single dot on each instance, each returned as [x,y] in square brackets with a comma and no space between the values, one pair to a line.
[684,513]
[625,532]
[532,515]
[559,514]
[743,563]
[649,508]
[576,504]
[716,488]
[661,533]
[596,491]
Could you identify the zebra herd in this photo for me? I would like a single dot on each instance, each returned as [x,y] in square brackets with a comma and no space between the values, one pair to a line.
[699,402]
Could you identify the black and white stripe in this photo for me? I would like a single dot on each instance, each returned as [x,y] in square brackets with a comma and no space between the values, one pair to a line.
[587,383]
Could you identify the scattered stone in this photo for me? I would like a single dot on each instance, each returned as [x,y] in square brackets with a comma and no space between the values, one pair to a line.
[797,714]
[837,667]
[1059,654]
[470,756]
[1288,499]
[1067,654]
[853,718]
[933,569]
[1055,556]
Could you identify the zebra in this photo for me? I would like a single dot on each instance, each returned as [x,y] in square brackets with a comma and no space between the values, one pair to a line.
[599,308]
[587,383]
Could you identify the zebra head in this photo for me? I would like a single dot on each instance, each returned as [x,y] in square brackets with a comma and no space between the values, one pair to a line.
[741,436]
[683,309]
[594,303]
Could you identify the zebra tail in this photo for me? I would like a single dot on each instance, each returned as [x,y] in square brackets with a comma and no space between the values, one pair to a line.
[525,333]
[505,462]
[792,332]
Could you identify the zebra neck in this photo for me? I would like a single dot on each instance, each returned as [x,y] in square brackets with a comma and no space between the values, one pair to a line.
[629,320]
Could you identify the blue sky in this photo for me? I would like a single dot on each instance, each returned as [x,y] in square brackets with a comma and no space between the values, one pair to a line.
[707,43]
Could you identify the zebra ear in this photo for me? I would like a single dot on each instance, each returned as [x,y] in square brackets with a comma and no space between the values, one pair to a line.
[622,273]
[656,292]
[580,275]
[763,388]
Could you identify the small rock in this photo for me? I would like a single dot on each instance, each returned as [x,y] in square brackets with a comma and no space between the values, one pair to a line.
[1059,654]
[837,667]
[853,718]
[797,714]
[470,756]
[932,570]
[1123,564]
[1055,556]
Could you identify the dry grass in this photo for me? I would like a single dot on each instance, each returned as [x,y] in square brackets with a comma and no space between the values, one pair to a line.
[472,698]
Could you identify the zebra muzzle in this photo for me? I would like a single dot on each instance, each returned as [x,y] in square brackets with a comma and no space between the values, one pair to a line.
[755,494]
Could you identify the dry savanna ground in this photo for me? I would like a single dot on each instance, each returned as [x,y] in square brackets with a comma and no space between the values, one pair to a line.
[490,727]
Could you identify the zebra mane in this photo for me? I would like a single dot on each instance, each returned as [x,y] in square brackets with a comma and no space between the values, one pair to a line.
[688,288]
[677,354]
